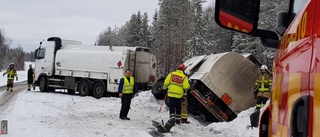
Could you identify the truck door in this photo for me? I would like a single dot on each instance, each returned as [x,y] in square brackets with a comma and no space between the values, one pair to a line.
[145,67]
[44,59]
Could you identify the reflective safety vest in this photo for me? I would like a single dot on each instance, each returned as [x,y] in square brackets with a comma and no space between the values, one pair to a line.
[264,82]
[176,83]
[127,86]
[11,73]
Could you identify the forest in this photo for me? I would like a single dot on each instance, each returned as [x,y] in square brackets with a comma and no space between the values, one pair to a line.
[177,31]
[182,29]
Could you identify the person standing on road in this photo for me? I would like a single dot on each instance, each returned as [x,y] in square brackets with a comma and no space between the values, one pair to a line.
[264,83]
[11,73]
[30,77]
[126,91]
[176,83]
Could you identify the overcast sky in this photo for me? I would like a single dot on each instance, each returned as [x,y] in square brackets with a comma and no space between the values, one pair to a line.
[28,22]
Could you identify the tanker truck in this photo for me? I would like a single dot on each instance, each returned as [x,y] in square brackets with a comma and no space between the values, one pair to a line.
[90,70]
[221,85]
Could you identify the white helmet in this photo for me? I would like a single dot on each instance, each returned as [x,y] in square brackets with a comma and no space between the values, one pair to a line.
[264,67]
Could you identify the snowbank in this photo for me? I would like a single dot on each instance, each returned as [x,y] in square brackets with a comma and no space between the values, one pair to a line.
[37,114]
[34,113]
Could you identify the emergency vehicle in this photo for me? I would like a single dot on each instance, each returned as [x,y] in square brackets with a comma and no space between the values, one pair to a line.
[90,70]
[294,108]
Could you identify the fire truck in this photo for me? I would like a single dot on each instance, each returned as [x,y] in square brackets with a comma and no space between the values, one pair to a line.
[294,108]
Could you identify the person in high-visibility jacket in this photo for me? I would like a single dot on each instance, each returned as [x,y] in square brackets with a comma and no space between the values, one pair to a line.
[126,90]
[176,83]
[11,73]
[264,83]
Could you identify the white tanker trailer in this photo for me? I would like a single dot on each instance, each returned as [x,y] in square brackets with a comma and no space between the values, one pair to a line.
[90,70]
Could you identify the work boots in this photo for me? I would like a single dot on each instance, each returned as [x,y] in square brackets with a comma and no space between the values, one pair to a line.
[185,121]
[169,124]
[178,121]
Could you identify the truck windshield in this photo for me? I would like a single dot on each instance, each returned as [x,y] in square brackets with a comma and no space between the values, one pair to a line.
[40,53]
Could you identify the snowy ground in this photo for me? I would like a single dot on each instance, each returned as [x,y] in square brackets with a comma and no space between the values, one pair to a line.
[37,114]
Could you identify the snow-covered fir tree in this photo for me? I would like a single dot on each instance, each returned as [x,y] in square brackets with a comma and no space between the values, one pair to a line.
[196,44]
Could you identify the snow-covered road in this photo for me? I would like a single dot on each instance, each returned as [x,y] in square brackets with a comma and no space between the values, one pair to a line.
[37,114]
[57,114]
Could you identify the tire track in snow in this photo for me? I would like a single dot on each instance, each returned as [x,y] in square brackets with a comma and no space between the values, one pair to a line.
[7,96]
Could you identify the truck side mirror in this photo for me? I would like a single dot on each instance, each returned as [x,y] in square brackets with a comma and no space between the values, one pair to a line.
[242,16]
[238,15]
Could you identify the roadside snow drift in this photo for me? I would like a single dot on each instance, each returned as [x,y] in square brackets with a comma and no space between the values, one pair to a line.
[37,114]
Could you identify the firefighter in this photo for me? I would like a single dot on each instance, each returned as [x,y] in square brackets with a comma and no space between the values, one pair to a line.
[176,83]
[264,83]
[11,73]
[30,77]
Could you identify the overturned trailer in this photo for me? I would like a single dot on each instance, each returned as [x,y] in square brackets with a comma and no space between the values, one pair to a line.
[220,85]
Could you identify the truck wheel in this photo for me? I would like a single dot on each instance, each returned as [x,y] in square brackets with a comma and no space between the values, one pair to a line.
[84,87]
[43,84]
[70,91]
[157,90]
[98,89]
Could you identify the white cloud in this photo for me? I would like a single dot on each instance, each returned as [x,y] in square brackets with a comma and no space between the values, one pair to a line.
[28,22]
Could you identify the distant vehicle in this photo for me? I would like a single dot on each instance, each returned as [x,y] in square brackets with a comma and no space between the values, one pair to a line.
[221,85]
[294,109]
[90,70]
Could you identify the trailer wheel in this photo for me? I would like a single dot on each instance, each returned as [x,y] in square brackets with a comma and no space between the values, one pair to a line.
[43,84]
[157,90]
[84,87]
[98,89]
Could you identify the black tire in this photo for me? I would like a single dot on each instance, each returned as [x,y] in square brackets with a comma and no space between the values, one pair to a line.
[98,89]
[157,89]
[43,84]
[70,91]
[84,87]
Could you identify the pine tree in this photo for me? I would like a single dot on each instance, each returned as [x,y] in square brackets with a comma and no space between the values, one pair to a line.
[3,50]
[172,32]
[196,45]
[217,39]
[145,30]
[134,35]
[105,38]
